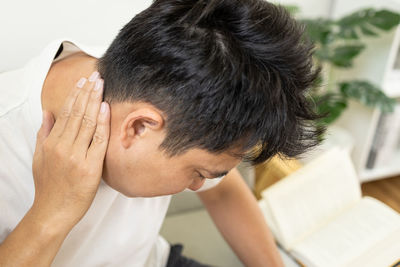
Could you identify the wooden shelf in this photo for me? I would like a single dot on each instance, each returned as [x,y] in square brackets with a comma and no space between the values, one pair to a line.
[386,190]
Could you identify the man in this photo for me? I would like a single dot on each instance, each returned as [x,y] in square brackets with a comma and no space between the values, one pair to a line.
[191,88]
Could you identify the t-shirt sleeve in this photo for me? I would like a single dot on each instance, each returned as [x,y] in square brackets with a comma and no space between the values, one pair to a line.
[208,184]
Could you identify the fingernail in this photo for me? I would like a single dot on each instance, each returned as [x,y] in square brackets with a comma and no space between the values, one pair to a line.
[94,76]
[102,107]
[98,85]
[81,82]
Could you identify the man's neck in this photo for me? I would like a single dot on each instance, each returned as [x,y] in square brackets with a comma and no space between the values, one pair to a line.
[62,77]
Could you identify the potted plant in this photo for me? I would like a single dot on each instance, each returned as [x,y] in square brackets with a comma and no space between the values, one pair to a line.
[338,42]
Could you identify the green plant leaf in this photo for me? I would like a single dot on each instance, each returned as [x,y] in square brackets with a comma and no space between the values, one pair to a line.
[368,94]
[323,54]
[318,82]
[385,19]
[364,20]
[348,33]
[367,31]
[292,9]
[338,43]
[331,105]
[343,55]
[319,30]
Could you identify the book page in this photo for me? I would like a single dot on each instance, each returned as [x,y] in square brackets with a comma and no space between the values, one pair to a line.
[356,234]
[288,260]
[384,253]
[312,196]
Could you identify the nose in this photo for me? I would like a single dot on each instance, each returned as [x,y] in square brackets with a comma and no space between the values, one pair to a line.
[197,184]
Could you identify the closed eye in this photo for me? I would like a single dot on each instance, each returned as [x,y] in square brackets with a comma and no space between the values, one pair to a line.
[201,176]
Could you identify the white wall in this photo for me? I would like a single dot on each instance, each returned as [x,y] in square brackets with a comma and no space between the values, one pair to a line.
[309,8]
[27,26]
[343,7]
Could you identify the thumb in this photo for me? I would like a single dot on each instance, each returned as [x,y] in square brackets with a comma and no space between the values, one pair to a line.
[45,128]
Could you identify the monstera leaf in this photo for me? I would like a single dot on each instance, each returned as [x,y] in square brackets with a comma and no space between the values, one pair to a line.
[367,21]
[331,105]
[368,94]
[337,43]
[340,56]
[319,30]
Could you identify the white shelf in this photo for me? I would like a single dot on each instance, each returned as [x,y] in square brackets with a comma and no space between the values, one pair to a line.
[391,169]
[379,64]
[392,87]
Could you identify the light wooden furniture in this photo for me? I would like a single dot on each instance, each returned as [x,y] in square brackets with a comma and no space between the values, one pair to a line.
[272,171]
[386,190]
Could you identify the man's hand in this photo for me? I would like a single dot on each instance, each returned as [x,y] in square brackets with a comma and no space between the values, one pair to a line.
[67,168]
[68,160]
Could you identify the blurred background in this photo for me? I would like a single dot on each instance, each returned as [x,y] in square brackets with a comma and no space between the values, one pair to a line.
[357,45]
[26,26]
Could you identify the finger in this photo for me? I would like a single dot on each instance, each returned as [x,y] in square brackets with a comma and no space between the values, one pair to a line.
[89,120]
[63,117]
[45,128]
[98,147]
[78,111]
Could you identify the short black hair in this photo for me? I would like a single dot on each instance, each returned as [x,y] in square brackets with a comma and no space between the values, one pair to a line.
[223,72]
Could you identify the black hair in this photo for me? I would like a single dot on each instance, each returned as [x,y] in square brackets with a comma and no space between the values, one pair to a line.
[223,72]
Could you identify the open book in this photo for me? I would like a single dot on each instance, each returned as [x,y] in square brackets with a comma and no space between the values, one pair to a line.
[320,217]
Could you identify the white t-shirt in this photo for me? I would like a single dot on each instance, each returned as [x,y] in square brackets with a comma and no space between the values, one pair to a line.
[116,230]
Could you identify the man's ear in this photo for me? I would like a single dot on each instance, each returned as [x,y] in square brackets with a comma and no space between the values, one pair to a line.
[138,123]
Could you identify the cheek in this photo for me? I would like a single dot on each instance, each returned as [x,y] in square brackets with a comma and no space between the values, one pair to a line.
[167,179]
[140,171]
[174,173]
